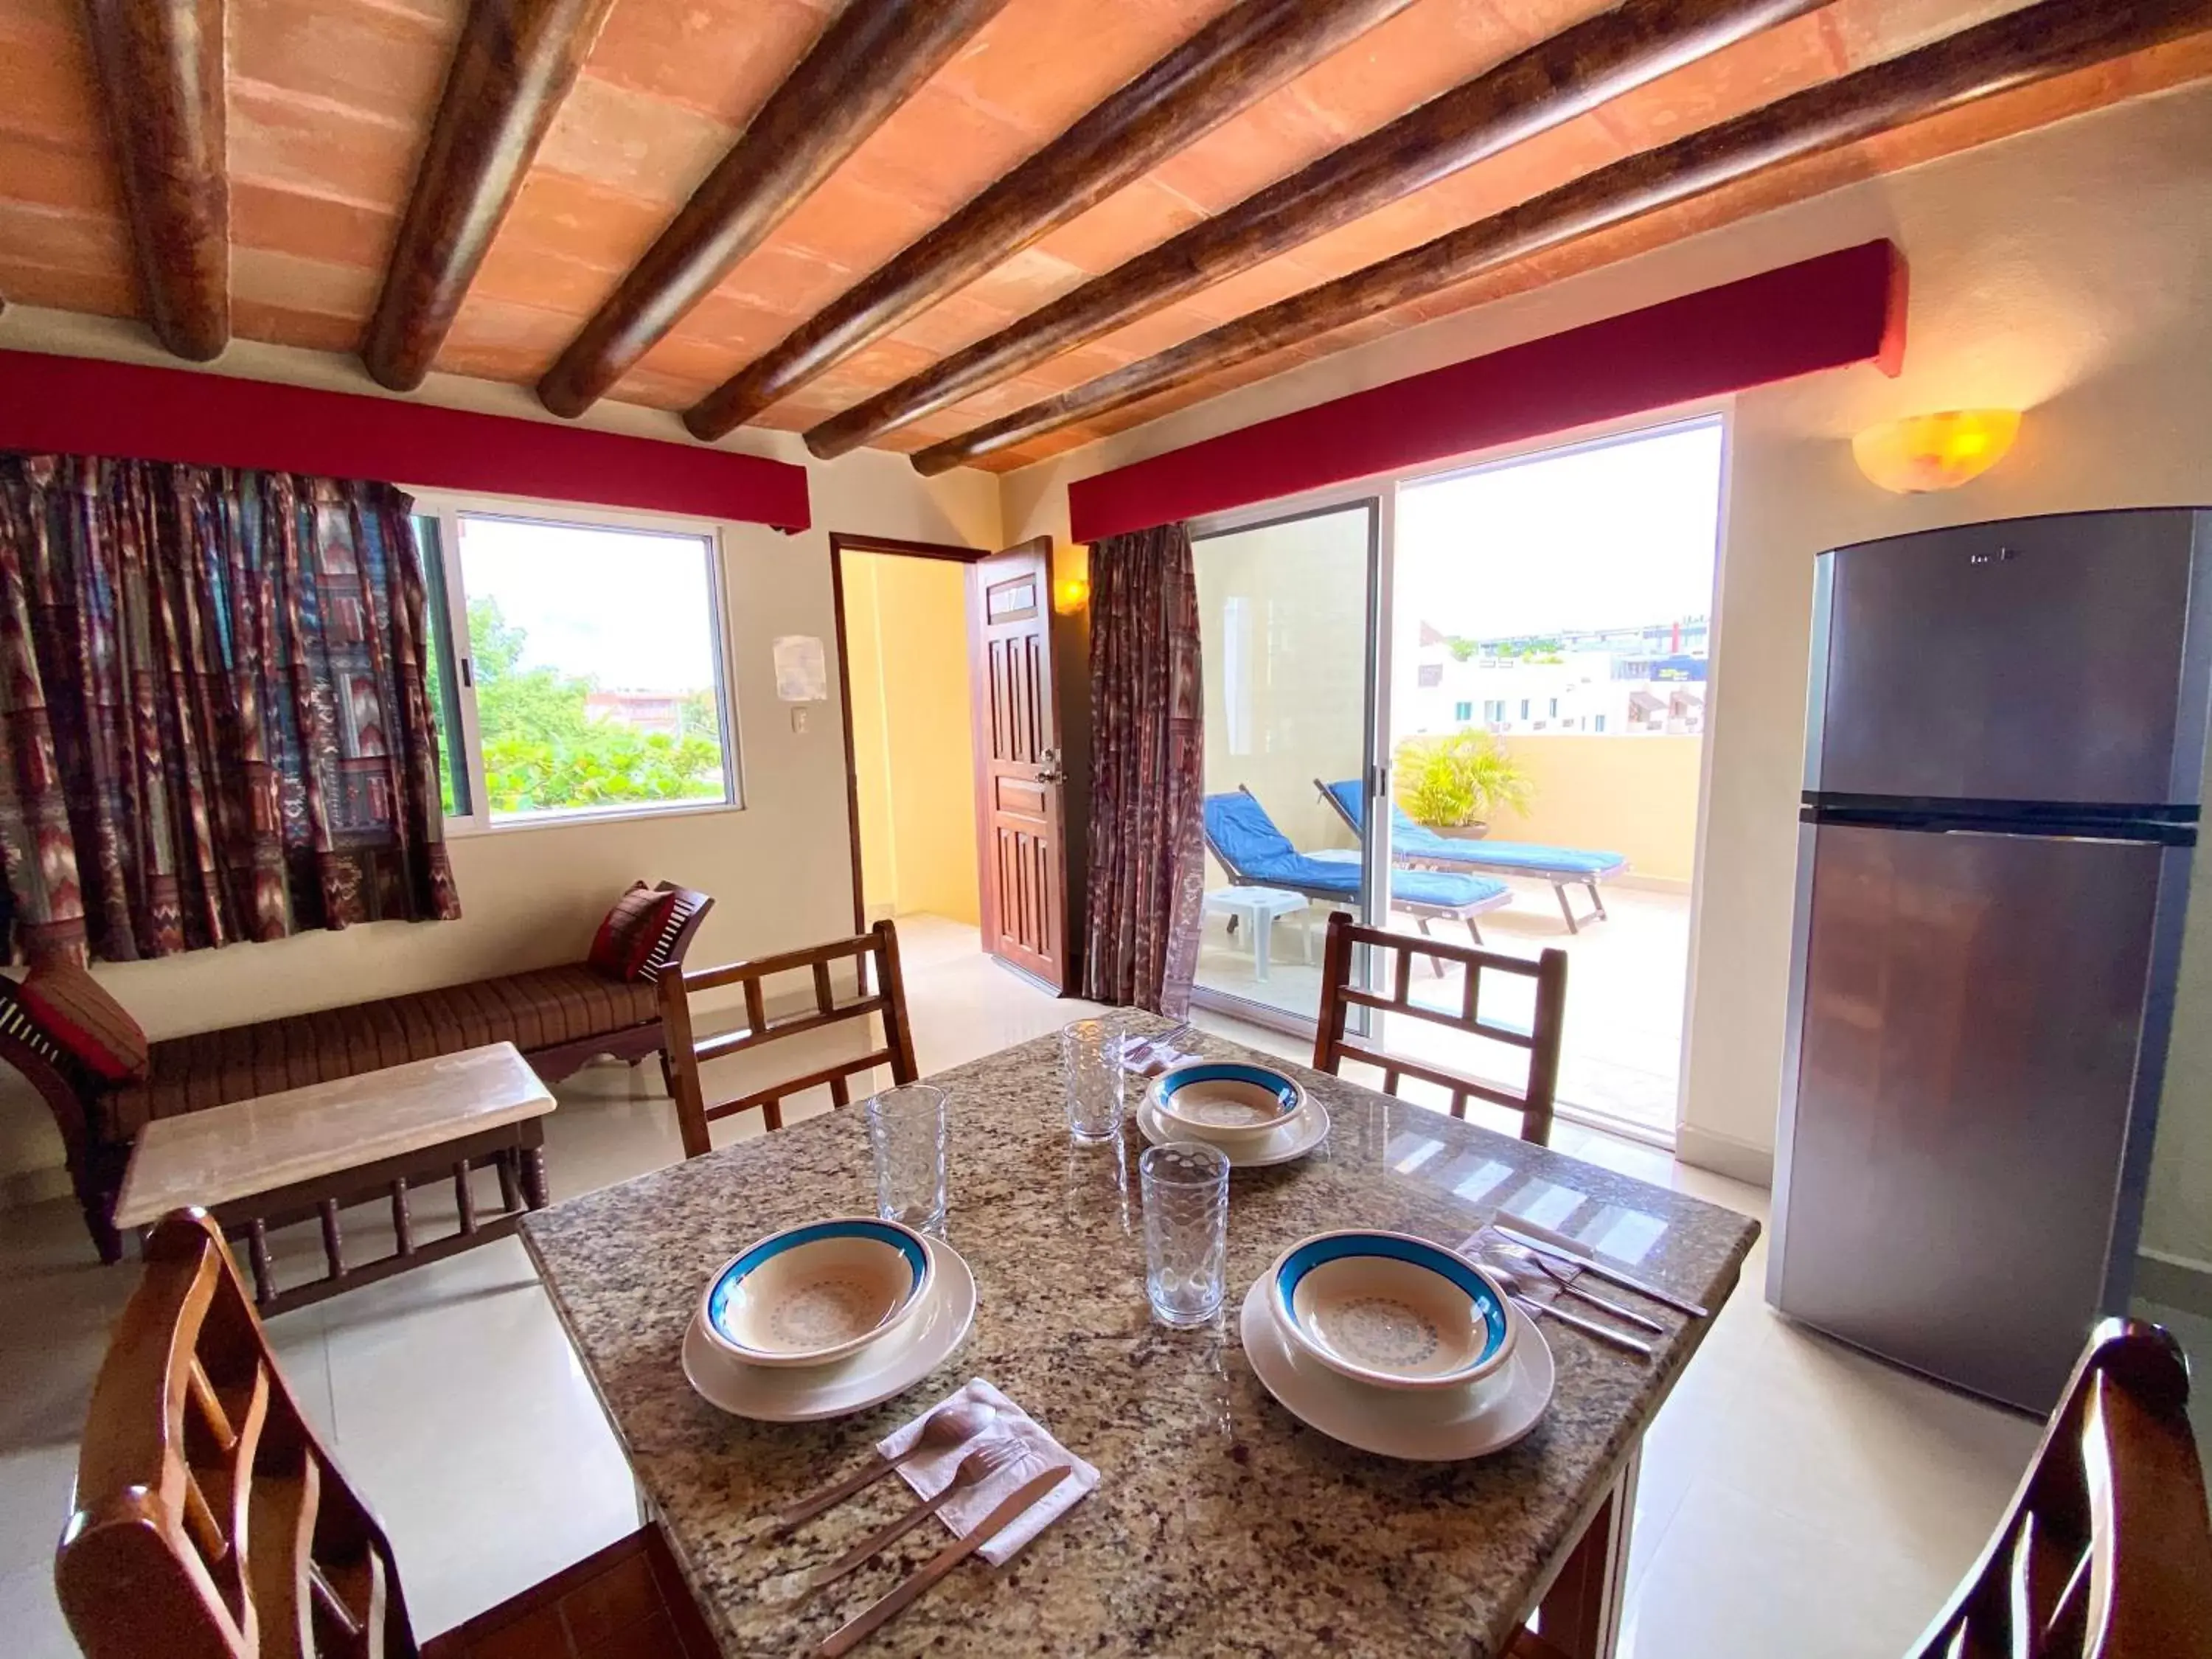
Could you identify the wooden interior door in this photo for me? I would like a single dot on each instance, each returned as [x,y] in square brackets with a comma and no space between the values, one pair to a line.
[1019,771]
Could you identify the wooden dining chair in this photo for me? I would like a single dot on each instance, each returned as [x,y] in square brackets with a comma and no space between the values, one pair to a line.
[2106,1550]
[1392,955]
[211,1522]
[878,947]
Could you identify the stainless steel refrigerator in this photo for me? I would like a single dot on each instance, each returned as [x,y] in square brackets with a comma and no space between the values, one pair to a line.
[2003,766]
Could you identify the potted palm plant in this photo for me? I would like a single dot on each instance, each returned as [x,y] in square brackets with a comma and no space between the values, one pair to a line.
[1453,784]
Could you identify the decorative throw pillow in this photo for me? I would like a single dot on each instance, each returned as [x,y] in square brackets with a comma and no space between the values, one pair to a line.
[69,1004]
[624,946]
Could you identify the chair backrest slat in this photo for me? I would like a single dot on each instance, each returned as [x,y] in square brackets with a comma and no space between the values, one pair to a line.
[1396,951]
[210,1521]
[2106,1552]
[877,948]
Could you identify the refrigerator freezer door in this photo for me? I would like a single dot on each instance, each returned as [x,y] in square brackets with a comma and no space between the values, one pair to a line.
[2037,659]
[1967,1009]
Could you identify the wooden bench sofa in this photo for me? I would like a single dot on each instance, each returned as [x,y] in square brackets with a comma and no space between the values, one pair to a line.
[559,1017]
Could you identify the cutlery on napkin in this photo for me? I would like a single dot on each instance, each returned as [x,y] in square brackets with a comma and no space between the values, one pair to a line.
[932,1470]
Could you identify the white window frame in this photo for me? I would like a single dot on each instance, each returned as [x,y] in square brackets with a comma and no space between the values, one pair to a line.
[448,510]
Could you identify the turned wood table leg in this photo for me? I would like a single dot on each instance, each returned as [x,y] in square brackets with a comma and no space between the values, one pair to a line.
[403,1223]
[257,1252]
[333,1244]
[510,1186]
[533,1176]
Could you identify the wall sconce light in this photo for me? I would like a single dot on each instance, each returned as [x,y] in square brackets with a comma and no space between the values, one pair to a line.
[1935,452]
[1070,594]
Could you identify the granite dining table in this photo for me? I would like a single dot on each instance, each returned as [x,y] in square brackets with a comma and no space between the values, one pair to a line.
[1221,1524]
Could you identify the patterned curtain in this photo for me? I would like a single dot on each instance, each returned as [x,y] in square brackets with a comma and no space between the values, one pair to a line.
[213,725]
[1147,712]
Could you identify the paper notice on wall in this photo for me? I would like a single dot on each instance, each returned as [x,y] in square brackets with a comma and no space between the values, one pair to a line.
[802,671]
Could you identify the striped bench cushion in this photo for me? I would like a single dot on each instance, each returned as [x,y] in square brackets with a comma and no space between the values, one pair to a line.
[544,1009]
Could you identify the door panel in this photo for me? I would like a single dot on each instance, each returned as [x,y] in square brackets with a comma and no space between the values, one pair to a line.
[2029,660]
[1017,774]
[1968,1022]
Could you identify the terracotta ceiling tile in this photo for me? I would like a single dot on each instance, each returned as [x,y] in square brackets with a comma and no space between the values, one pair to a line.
[1042,63]
[1168,327]
[367,58]
[952,323]
[1131,220]
[1031,278]
[650,389]
[1771,64]
[556,217]
[733,327]
[49,175]
[287,280]
[780,277]
[1281,133]
[297,143]
[47,90]
[721,57]
[99,294]
[629,141]
[699,364]
[516,275]
[314,226]
[499,340]
[1424,50]
[846,224]
[309,330]
[1872,30]
[57,241]
[936,151]
[1262,285]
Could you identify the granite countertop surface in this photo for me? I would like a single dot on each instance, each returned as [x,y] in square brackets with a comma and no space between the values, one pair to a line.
[1222,1524]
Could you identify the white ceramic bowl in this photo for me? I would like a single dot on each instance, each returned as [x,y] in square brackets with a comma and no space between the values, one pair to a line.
[1225,1102]
[810,1295]
[1390,1309]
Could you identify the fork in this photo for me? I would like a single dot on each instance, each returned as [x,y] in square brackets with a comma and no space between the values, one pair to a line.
[1565,1279]
[1142,1052]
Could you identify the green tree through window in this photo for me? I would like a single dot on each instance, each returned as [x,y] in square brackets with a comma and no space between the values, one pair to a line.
[544,751]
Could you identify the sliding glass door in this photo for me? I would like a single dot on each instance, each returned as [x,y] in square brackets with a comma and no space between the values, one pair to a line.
[1288,632]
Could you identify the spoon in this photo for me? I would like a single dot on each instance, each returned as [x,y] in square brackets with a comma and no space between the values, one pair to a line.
[1514,1286]
[946,1427]
[979,1466]
[1565,1279]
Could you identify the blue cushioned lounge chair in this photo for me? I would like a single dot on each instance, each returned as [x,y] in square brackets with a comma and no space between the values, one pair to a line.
[1255,854]
[1422,848]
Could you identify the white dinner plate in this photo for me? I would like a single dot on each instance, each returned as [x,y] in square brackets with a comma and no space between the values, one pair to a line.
[1293,1139]
[807,1395]
[1438,1427]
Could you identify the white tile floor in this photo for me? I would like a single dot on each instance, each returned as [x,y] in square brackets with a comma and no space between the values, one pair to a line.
[1796,1498]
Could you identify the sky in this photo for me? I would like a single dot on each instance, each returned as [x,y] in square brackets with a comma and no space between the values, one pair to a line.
[627,610]
[1611,537]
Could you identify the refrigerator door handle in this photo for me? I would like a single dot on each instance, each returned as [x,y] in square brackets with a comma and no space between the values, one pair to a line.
[2030,835]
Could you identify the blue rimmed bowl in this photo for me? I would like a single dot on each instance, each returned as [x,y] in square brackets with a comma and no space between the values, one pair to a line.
[1390,1309]
[810,1295]
[1225,1102]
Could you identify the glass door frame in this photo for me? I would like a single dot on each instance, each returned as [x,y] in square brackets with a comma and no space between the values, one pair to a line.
[1379,496]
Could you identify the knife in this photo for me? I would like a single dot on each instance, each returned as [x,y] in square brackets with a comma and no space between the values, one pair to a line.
[1586,1326]
[1591,1264]
[886,1607]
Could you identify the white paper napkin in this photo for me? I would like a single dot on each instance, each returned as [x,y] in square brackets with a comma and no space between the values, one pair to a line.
[930,1473]
[1153,1058]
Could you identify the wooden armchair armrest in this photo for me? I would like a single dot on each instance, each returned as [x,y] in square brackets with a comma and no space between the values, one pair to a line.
[691,906]
[73,1095]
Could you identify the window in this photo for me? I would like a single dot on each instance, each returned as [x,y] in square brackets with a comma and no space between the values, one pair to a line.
[1597,722]
[1524,708]
[577,669]
[1493,709]
[1463,711]
[1555,709]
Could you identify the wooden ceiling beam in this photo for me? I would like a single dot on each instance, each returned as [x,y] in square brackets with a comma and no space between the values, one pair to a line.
[1552,82]
[514,64]
[2042,39]
[1241,55]
[871,60]
[160,69]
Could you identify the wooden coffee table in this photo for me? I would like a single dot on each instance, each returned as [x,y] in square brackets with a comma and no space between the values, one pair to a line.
[260,1163]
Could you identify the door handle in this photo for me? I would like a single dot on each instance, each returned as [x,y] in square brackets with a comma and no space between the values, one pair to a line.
[1050,775]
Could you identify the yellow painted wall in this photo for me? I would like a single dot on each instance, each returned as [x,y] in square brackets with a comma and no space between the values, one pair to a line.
[906,625]
[1635,796]
[779,868]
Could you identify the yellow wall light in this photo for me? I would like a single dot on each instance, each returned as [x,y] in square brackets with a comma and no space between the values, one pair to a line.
[1935,452]
[1070,594]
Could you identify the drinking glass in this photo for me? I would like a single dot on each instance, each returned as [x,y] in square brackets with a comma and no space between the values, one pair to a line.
[1186,1192]
[907,1131]
[1091,1074]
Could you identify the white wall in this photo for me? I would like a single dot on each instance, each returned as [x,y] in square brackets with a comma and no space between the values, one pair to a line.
[779,869]
[2066,271]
